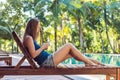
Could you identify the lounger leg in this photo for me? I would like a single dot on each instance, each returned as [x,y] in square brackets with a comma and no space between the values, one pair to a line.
[1,76]
[107,77]
[111,75]
[20,62]
[114,76]
[9,62]
[118,74]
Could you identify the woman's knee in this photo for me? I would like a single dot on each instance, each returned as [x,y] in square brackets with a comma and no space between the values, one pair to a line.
[69,45]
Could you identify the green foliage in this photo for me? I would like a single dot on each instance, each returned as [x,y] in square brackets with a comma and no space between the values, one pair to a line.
[5,33]
[62,17]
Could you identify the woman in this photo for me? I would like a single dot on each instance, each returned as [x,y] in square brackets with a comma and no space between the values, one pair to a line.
[42,57]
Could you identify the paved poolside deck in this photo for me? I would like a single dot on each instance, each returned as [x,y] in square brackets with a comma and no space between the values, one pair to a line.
[17,57]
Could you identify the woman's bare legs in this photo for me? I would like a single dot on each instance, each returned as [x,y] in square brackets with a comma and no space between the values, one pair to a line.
[67,51]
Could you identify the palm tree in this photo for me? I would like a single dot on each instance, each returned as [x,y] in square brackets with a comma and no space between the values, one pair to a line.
[12,19]
[106,25]
[37,8]
[76,12]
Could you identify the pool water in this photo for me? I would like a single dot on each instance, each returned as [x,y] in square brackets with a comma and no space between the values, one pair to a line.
[112,59]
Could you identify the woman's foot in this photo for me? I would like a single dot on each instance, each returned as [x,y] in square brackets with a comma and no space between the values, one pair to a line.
[90,63]
[97,62]
[94,63]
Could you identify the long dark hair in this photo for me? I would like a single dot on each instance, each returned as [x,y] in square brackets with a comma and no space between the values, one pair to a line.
[31,28]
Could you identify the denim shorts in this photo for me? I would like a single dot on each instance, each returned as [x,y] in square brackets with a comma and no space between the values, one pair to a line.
[48,62]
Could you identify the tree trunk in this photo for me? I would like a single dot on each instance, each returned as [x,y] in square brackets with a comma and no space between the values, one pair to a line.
[81,35]
[105,18]
[55,34]
[61,27]
[12,45]
[17,45]
[41,36]
[5,45]
[102,42]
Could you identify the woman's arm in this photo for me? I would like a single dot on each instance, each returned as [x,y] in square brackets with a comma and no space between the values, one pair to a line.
[30,45]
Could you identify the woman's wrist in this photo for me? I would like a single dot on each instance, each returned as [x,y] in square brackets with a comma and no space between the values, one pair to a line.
[42,48]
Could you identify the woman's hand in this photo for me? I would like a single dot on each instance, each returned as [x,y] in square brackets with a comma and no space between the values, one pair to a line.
[45,46]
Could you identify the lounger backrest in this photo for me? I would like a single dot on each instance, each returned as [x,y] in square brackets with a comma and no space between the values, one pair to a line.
[24,50]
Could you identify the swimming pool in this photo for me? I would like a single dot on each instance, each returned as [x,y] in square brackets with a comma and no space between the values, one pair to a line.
[112,59]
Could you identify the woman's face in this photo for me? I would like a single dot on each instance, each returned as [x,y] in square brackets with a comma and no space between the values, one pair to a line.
[38,27]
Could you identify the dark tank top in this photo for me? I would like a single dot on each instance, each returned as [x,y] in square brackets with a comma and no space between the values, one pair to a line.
[42,56]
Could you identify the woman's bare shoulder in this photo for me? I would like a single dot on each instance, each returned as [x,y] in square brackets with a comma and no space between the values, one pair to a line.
[27,39]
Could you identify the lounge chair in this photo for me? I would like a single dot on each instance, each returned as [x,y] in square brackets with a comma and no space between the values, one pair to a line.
[3,53]
[33,69]
[5,57]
